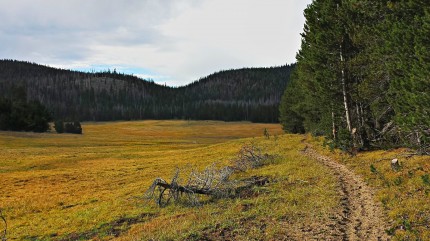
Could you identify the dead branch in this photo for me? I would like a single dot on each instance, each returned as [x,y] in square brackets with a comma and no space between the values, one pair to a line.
[212,181]
[3,234]
[249,157]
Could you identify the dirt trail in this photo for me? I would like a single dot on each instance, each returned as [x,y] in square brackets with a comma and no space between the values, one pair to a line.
[361,217]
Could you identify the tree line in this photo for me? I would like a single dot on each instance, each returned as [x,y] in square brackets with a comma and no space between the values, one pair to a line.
[19,115]
[362,75]
[251,94]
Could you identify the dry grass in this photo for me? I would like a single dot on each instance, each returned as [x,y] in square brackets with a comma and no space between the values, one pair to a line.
[405,194]
[83,186]
[297,205]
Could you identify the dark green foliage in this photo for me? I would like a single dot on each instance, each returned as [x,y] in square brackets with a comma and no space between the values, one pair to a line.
[314,101]
[373,169]
[68,127]
[362,75]
[19,115]
[398,181]
[410,86]
[73,127]
[251,94]
[5,113]
[39,117]
[266,133]
[59,126]
[426,179]
[291,109]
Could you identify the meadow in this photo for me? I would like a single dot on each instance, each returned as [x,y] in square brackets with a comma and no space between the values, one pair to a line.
[90,186]
[66,187]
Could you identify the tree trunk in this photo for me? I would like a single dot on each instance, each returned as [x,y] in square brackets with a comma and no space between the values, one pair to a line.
[333,125]
[344,93]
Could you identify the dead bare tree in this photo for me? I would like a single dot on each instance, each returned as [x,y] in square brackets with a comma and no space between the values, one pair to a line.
[212,181]
[4,233]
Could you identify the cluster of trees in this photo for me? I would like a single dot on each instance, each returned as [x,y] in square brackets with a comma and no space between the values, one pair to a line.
[68,127]
[19,115]
[251,94]
[363,74]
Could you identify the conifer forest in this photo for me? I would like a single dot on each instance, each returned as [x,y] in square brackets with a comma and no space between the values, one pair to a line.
[362,75]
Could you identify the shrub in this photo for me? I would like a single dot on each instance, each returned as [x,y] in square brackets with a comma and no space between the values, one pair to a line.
[59,126]
[73,127]
[68,127]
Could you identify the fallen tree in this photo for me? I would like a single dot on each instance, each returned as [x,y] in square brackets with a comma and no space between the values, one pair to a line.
[212,181]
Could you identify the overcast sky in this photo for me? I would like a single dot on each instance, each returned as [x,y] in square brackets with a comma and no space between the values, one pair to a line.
[170,41]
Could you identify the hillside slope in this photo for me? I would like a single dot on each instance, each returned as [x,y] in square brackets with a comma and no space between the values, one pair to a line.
[251,94]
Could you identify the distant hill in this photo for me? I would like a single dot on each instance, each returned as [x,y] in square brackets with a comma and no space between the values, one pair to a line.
[251,94]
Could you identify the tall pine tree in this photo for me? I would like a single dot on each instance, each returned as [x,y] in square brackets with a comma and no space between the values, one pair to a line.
[362,76]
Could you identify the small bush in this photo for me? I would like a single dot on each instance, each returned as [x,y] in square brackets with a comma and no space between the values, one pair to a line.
[266,133]
[426,179]
[59,126]
[68,127]
[74,127]
[373,169]
[398,181]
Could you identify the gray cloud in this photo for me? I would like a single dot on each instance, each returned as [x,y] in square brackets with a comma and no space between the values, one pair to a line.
[180,39]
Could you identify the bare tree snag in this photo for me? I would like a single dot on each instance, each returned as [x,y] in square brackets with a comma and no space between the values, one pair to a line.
[213,181]
[333,125]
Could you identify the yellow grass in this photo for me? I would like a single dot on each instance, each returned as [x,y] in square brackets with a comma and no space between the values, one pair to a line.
[54,186]
[404,194]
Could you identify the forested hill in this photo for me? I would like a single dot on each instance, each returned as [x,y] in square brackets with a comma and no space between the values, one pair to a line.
[246,94]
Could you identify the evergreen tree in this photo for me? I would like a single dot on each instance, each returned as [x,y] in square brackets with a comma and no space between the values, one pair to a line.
[59,126]
[290,108]
[22,116]
[322,73]
[39,117]
[362,74]
[410,67]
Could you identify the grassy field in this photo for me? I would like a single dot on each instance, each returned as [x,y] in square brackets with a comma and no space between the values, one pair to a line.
[56,187]
[69,187]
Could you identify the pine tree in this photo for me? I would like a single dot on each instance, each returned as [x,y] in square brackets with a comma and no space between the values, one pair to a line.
[322,73]
[410,67]
[59,126]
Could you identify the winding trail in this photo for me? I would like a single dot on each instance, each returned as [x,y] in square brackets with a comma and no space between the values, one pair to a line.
[361,217]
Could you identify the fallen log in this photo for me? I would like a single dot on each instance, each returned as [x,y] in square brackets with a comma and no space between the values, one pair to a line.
[247,183]
[212,181]
[167,192]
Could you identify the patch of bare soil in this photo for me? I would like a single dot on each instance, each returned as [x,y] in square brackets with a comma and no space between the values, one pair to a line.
[361,218]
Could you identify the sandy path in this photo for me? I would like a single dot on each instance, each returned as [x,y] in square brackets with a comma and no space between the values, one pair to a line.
[361,217]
